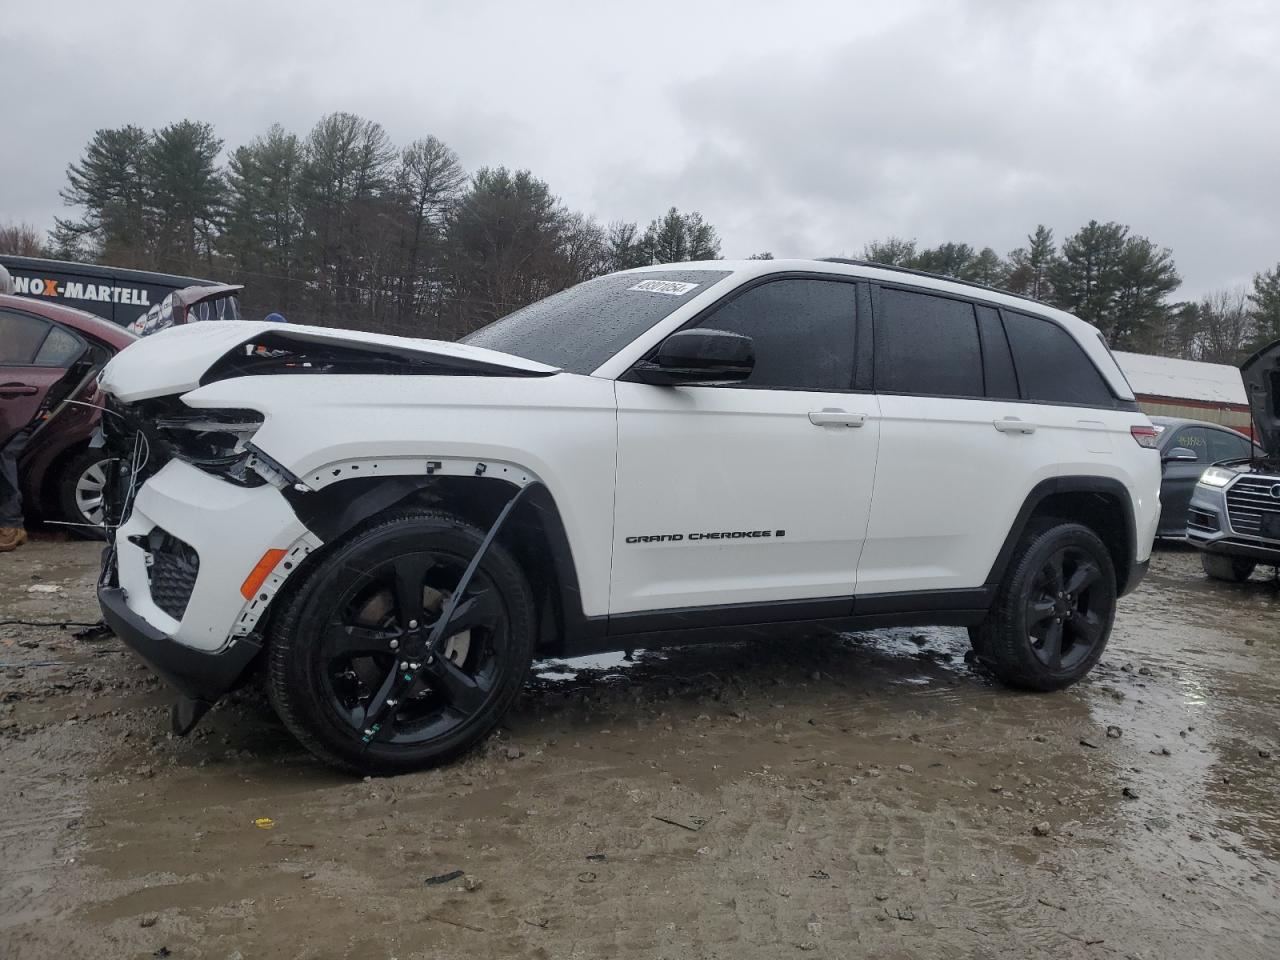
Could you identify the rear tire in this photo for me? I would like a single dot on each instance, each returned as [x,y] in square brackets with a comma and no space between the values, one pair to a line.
[348,630]
[1230,569]
[1054,609]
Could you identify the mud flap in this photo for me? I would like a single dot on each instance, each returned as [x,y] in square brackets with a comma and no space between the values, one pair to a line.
[186,713]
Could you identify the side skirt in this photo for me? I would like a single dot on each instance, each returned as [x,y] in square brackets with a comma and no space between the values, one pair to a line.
[744,621]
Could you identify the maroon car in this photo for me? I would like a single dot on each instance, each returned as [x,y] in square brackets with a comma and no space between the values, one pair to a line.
[50,356]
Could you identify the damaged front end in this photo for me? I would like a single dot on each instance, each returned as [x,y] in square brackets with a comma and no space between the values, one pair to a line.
[152,565]
[205,525]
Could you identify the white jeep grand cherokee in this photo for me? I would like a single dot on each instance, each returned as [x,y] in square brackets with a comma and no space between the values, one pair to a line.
[398,526]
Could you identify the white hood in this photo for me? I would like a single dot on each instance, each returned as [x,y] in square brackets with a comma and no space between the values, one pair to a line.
[175,360]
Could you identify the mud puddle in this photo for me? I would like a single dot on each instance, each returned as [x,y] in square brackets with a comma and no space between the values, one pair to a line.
[868,794]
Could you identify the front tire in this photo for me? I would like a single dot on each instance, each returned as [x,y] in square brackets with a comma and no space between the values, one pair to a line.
[1053,611]
[366,610]
[1231,569]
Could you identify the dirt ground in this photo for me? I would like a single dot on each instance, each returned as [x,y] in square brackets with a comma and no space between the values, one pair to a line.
[865,795]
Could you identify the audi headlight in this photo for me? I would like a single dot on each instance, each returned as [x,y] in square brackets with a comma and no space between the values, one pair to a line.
[1217,477]
[215,441]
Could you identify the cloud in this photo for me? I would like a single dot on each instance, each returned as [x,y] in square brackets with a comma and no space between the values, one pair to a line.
[804,129]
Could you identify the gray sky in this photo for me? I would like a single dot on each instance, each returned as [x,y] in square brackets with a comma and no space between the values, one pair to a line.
[805,129]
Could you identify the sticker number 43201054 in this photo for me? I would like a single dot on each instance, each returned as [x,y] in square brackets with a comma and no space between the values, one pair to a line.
[674,288]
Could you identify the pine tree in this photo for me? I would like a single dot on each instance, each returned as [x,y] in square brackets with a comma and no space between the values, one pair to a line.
[680,237]
[503,244]
[947,259]
[1264,306]
[263,227]
[1086,276]
[428,182]
[894,252]
[184,195]
[1141,315]
[345,173]
[624,247]
[986,268]
[1030,265]
[110,184]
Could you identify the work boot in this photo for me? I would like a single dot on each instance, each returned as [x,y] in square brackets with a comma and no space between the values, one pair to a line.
[11,538]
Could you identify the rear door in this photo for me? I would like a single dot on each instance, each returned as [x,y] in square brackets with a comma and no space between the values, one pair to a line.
[977,406]
[755,492]
[28,369]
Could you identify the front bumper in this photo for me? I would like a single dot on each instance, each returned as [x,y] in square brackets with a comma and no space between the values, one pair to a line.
[229,528]
[190,622]
[1209,528]
[196,674]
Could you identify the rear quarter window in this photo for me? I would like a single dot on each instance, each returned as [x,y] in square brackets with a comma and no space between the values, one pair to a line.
[1052,367]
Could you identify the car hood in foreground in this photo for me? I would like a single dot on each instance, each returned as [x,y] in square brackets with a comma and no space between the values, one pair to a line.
[182,358]
[1261,373]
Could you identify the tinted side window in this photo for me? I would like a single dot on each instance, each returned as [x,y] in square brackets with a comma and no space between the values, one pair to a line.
[1051,366]
[1002,383]
[20,337]
[1195,439]
[1227,446]
[59,349]
[926,345]
[803,331]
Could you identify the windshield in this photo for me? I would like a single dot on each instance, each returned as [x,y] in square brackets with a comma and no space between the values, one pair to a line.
[580,328]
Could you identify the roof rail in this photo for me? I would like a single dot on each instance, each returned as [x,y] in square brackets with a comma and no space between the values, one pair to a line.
[931,275]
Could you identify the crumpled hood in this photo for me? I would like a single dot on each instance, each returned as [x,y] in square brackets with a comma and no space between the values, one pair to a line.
[1261,373]
[180,359]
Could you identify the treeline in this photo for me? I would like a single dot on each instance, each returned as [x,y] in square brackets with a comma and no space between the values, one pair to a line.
[1120,282]
[341,226]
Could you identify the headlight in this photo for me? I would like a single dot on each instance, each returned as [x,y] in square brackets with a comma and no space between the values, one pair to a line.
[215,441]
[1217,477]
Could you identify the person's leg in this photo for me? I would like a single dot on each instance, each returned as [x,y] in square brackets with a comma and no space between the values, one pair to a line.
[13,533]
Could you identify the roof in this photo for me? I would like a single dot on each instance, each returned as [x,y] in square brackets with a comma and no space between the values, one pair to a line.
[1183,379]
[1085,334]
[102,271]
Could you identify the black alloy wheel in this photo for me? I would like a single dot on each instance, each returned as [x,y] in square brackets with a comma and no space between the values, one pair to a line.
[1065,619]
[1053,609]
[357,669]
[379,629]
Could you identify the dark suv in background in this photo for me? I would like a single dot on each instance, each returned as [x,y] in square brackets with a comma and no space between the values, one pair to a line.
[1187,447]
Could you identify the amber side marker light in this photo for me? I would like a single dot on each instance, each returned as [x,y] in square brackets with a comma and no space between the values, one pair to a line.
[259,572]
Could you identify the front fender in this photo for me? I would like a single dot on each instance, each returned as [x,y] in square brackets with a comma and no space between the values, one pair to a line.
[335,428]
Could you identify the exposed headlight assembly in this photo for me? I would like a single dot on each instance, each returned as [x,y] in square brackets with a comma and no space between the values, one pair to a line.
[215,441]
[1217,477]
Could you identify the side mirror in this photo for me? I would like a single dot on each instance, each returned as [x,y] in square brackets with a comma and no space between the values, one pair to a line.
[1180,455]
[699,356]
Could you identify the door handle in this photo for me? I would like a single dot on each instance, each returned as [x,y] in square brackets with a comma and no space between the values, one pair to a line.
[831,417]
[1013,425]
[17,390]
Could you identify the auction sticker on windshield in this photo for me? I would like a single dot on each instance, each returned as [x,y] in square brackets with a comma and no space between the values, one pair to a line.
[673,288]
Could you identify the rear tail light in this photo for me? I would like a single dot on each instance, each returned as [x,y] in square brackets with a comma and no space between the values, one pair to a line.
[1145,436]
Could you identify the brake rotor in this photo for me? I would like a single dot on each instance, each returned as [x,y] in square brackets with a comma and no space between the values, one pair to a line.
[378,611]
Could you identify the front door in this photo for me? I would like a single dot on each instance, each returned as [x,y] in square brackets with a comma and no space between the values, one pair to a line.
[754,492]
